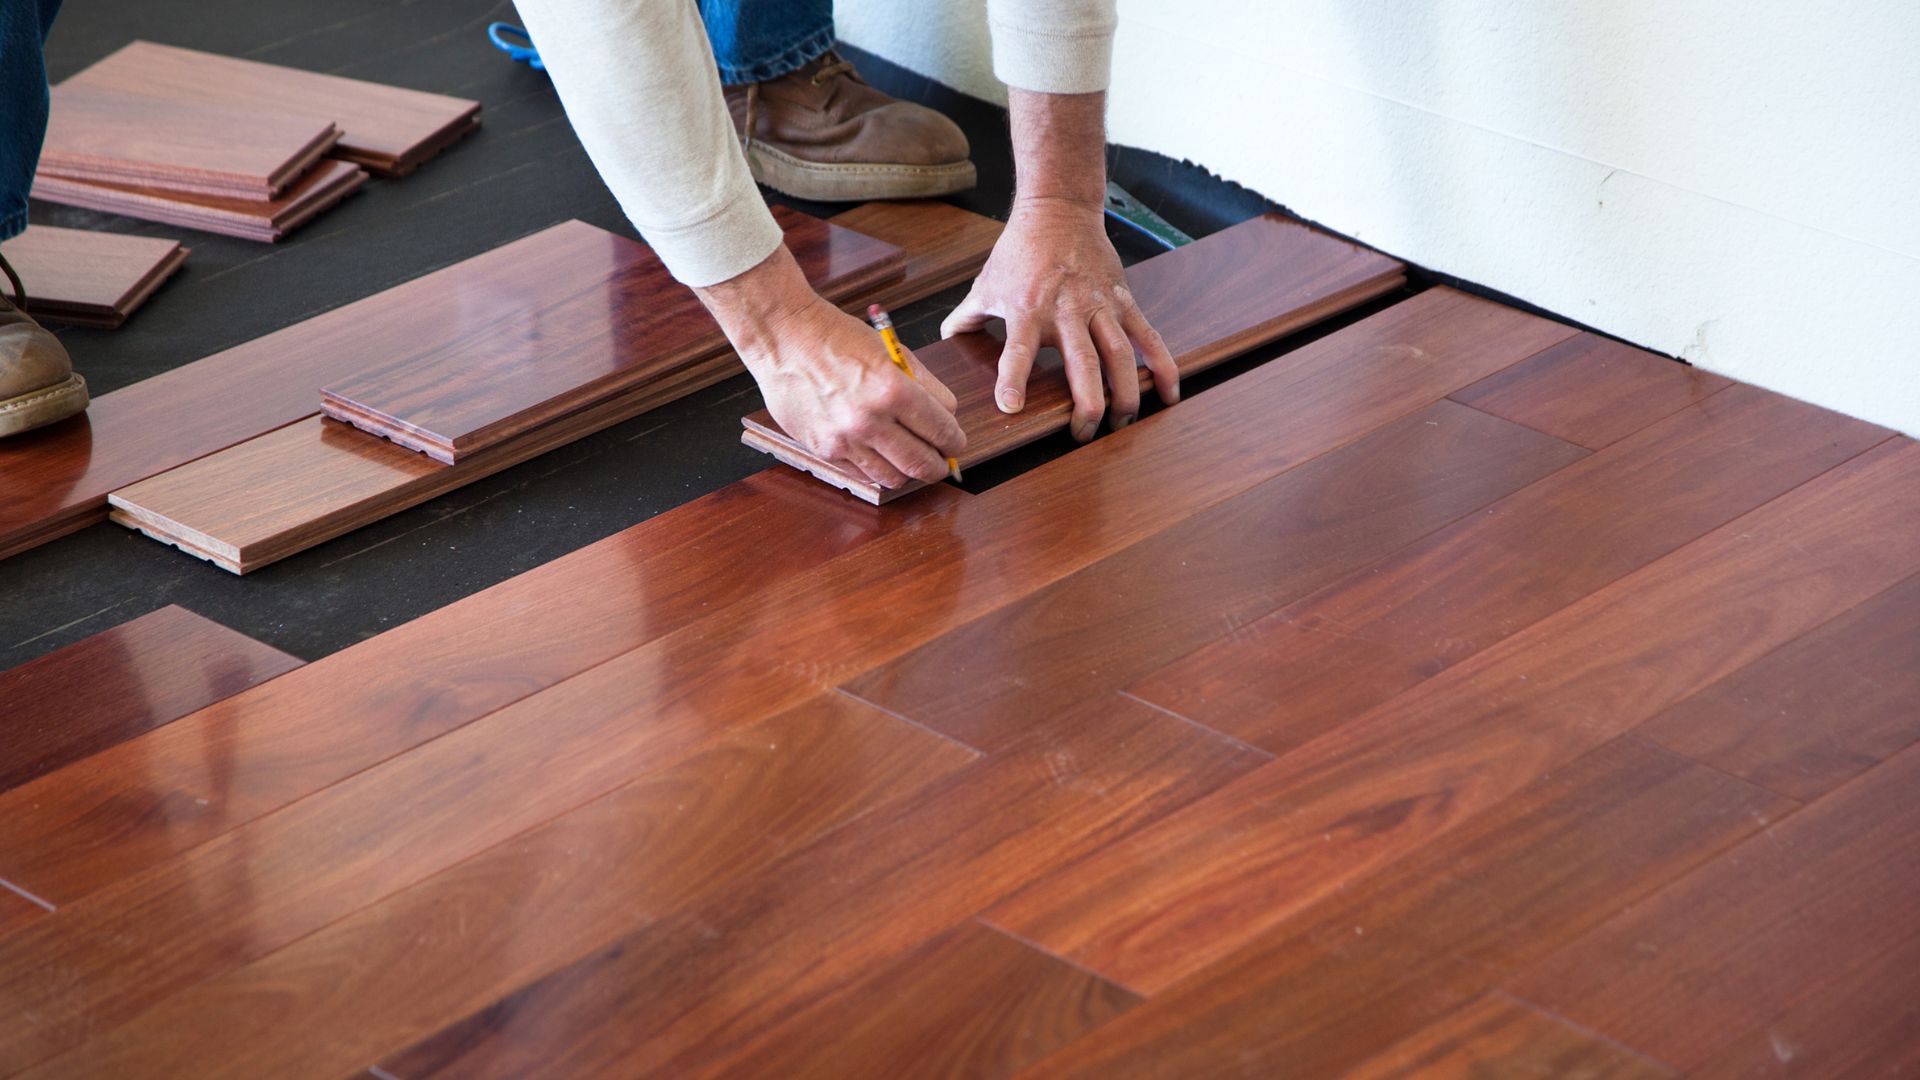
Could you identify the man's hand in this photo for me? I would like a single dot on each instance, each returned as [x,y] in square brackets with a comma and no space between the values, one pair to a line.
[1054,276]
[827,379]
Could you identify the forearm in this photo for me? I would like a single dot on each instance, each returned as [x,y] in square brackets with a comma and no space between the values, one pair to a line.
[1059,147]
[638,81]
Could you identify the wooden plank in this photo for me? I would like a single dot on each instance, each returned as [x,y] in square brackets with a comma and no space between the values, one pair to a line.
[1402,949]
[1858,1024]
[387,129]
[1168,901]
[1816,711]
[311,481]
[105,689]
[56,479]
[676,824]
[972,1002]
[1726,948]
[141,802]
[1497,1036]
[130,137]
[679,990]
[268,220]
[1210,300]
[1592,390]
[1327,658]
[1123,616]
[475,389]
[945,245]
[89,278]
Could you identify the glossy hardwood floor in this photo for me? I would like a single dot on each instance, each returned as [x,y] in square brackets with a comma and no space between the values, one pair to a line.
[1456,694]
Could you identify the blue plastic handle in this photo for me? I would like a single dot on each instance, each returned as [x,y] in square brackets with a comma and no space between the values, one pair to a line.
[498,32]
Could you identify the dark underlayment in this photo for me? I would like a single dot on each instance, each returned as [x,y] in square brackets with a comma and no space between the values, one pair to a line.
[1445,690]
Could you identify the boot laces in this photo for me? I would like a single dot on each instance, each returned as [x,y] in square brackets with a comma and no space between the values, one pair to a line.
[19,290]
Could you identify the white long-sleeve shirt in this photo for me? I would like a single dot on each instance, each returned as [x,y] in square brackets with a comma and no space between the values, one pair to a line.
[638,81]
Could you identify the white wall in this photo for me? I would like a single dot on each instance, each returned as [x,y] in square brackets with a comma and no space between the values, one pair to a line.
[1731,182]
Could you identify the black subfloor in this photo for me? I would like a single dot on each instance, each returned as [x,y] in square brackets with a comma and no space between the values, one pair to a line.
[521,172]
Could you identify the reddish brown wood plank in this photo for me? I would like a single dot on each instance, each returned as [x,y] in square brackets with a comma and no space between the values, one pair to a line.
[89,278]
[1239,288]
[56,480]
[1742,939]
[1121,617]
[1329,657]
[1592,391]
[389,129]
[120,682]
[269,220]
[1863,1023]
[945,245]
[1167,901]
[1816,711]
[1403,948]
[680,992]
[633,853]
[130,137]
[1497,1036]
[502,377]
[134,805]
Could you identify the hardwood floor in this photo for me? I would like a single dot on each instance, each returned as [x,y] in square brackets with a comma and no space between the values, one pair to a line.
[86,278]
[1457,694]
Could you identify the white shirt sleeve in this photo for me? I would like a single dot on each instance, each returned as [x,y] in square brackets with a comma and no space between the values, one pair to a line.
[1053,46]
[638,81]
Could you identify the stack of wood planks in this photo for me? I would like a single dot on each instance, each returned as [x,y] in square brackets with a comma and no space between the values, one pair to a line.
[227,145]
[1457,694]
[88,278]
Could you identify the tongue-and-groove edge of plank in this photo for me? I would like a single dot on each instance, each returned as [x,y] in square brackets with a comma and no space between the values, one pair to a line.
[84,278]
[290,489]
[1232,291]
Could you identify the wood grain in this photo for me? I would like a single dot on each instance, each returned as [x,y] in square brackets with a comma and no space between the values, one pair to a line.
[1592,391]
[945,245]
[56,479]
[1329,657]
[1399,950]
[182,785]
[267,220]
[88,278]
[467,389]
[1164,903]
[1496,1037]
[1861,1023]
[1210,300]
[1818,710]
[686,991]
[1221,569]
[120,682]
[131,137]
[675,825]
[1726,948]
[286,491]
[387,129]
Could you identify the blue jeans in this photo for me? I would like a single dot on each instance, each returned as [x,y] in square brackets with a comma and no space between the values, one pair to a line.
[757,40]
[23,104]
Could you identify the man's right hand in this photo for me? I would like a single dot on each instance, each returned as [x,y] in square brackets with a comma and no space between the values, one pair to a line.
[828,380]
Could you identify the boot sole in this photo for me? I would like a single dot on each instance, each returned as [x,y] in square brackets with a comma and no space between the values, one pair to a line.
[855,182]
[43,407]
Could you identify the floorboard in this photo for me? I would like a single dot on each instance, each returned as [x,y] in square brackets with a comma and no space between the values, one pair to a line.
[680,829]
[121,682]
[1404,948]
[1122,617]
[89,278]
[1817,711]
[268,220]
[1239,288]
[1308,668]
[1738,941]
[1178,896]
[1497,1036]
[1592,391]
[125,809]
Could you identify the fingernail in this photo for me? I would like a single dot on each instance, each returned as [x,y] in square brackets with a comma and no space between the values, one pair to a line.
[1083,432]
[1009,399]
[1122,422]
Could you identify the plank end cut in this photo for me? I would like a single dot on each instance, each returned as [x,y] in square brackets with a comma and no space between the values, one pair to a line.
[1238,289]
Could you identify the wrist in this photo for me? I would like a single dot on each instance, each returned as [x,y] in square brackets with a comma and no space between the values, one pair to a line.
[755,307]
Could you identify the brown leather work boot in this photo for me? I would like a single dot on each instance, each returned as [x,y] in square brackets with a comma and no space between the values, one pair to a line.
[37,383]
[822,133]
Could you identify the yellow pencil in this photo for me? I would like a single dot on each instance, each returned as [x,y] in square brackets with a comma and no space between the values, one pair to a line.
[884,323]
